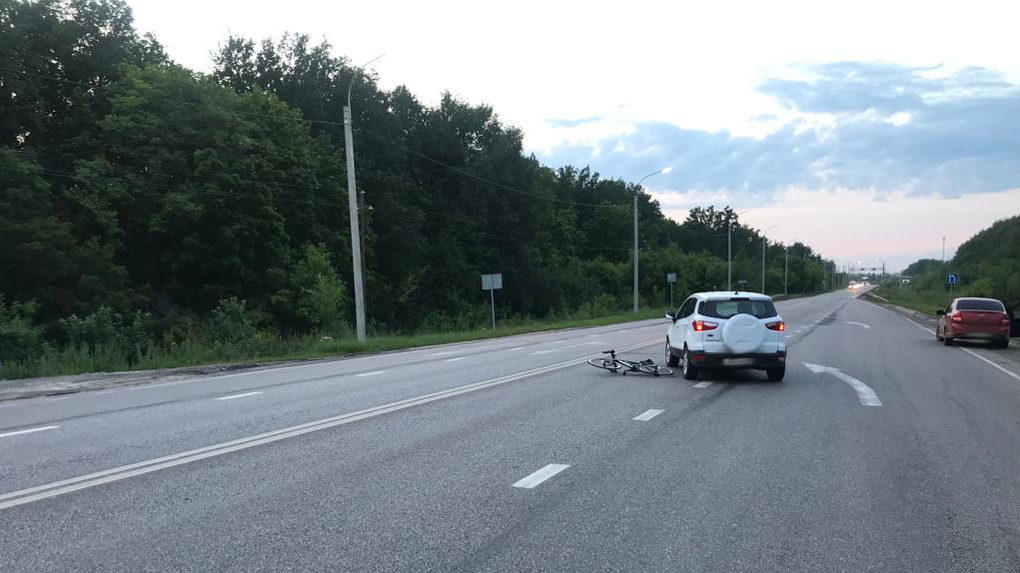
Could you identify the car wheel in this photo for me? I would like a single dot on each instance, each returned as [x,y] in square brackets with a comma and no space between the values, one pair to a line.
[947,341]
[776,374]
[1004,343]
[671,360]
[689,370]
[938,337]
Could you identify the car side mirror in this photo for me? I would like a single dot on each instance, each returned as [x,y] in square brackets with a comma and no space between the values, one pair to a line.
[670,316]
[940,312]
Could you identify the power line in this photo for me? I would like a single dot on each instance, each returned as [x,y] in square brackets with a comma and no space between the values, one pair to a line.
[382,138]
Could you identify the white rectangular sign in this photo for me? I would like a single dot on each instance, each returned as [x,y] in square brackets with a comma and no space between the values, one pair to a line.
[492,282]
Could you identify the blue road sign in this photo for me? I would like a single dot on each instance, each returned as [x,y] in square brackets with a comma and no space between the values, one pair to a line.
[952,279]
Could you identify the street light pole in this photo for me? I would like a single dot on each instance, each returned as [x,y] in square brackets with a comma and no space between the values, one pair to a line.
[663,170]
[786,272]
[729,249]
[352,200]
[763,240]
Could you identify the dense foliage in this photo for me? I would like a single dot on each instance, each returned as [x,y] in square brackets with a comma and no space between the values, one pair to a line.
[986,265]
[143,205]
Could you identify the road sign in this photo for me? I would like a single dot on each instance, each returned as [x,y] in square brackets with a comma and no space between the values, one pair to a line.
[671,277]
[492,282]
[952,279]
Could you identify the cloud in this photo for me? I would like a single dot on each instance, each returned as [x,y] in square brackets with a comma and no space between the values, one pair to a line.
[573,122]
[861,125]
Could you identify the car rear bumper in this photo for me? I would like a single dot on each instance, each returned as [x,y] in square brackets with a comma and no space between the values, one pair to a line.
[979,333]
[755,361]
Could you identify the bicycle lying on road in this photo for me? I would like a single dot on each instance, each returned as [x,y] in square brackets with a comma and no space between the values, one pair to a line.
[614,365]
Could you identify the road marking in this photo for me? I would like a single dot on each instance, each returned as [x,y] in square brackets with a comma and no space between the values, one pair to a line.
[857,323]
[702,384]
[1005,371]
[46,491]
[865,394]
[101,392]
[648,415]
[231,397]
[513,349]
[446,353]
[455,359]
[990,363]
[540,476]
[362,375]
[29,431]
[55,398]
[545,351]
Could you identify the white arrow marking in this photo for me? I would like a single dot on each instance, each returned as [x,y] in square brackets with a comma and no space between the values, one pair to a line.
[866,395]
[858,323]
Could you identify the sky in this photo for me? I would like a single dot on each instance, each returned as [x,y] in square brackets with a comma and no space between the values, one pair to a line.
[868,130]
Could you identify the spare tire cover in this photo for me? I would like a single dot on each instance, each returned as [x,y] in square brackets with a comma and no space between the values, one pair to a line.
[743,333]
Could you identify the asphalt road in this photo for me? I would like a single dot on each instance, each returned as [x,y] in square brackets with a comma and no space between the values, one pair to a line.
[882,451]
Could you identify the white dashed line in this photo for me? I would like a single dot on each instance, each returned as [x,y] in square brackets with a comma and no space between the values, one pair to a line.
[455,359]
[702,384]
[55,398]
[513,349]
[369,374]
[238,396]
[29,431]
[540,476]
[545,351]
[445,353]
[647,415]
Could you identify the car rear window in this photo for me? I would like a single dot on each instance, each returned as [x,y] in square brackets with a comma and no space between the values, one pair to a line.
[973,304]
[728,308]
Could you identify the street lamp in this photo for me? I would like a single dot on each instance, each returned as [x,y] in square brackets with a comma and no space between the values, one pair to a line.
[642,180]
[729,249]
[352,198]
[765,232]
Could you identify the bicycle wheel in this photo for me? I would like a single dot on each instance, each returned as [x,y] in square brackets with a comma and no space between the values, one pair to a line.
[656,370]
[605,363]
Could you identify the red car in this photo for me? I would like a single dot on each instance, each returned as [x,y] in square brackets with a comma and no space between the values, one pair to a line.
[974,319]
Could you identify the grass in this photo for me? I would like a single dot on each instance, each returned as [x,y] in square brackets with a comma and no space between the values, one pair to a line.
[924,301]
[269,348]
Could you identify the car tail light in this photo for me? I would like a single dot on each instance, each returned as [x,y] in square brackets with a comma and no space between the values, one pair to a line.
[957,317]
[778,326]
[1005,320]
[703,325]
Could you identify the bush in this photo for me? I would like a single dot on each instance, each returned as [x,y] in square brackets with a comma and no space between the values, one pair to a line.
[230,323]
[20,339]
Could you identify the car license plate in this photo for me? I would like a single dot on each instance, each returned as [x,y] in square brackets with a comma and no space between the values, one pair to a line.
[738,361]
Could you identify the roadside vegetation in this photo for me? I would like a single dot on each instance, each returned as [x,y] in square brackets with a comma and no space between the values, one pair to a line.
[987,265]
[154,216]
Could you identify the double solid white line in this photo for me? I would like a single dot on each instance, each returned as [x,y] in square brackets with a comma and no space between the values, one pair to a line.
[61,487]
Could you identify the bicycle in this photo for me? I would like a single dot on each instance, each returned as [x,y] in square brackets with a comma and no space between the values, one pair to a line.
[614,365]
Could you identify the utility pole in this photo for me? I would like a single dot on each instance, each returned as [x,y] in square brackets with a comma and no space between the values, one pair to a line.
[635,256]
[763,241]
[729,252]
[943,250]
[786,272]
[352,201]
[636,191]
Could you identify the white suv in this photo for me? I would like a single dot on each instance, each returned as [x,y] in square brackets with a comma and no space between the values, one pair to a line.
[739,330]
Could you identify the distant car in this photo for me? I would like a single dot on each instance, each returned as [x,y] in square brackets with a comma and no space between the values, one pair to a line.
[974,319]
[730,330]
